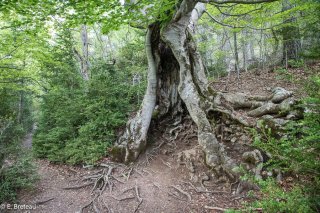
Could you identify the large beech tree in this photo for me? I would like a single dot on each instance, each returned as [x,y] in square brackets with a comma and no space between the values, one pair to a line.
[176,78]
[177,84]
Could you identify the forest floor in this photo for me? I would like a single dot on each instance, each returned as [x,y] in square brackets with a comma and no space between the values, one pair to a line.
[169,177]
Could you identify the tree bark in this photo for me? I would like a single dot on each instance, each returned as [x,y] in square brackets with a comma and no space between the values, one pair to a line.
[134,139]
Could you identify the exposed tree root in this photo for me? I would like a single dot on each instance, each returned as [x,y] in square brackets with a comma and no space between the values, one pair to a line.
[100,181]
[121,199]
[41,202]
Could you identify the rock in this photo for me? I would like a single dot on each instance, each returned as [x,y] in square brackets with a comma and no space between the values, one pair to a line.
[238,134]
[278,174]
[279,94]
[190,166]
[188,157]
[205,177]
[275,124]
[254,157]
[244,139]
[264,174]
[227,129]
[245,186]
[233,140]
[165,152]
[295,115]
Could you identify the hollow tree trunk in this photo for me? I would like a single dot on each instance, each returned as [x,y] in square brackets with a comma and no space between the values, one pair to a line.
[176,73]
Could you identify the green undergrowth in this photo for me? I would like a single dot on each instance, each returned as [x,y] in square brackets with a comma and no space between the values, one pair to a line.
[19,172]
[77,126]
[16,166]
[296,154]
[78,119]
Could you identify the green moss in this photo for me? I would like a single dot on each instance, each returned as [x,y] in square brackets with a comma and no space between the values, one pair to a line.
[117,154]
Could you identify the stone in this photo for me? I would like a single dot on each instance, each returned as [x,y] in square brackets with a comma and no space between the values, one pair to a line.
[254,157]
[279,94]
[233,140]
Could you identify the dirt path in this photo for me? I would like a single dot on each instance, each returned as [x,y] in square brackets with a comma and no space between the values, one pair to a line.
[157,177]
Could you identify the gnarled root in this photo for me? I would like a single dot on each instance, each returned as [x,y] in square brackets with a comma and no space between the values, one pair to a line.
[280,104]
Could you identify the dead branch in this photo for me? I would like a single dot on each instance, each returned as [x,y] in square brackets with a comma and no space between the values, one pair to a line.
[182,192]
[215,208]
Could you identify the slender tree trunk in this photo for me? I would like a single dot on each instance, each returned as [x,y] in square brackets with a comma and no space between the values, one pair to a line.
[85,53]
[291,36]
[244,55]
[20,107]
[236,54]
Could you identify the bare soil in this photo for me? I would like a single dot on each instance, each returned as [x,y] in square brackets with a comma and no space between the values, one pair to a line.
[170,176]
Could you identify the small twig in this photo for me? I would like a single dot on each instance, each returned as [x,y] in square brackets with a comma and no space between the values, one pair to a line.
[126,190]
[166,163]
[146,171]
[138,206]
[156,185]
[136,170]
[73,170]
[129,173]
[175,196]
[117,179]
[137,192]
